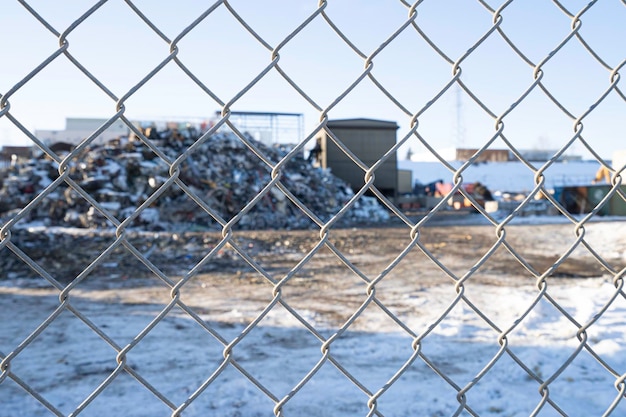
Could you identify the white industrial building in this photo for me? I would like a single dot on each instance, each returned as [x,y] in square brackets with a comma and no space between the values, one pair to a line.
[78,129]
[269,128]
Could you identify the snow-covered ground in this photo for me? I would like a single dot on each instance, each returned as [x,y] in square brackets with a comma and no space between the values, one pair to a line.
[68,361]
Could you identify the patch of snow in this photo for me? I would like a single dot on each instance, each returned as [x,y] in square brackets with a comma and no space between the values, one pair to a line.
[68,361]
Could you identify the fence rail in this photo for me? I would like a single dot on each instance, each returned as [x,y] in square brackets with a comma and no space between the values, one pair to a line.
[175,179]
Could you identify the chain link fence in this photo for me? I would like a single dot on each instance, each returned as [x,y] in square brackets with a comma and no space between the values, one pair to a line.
[227,354]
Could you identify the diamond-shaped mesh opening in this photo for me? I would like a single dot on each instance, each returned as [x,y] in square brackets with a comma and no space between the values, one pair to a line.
[53,254]
[259,248]
[308,73]
[194,49]
[116,46]
[471,244]
[193,251]
[505,381]
[273,356]
[32,318]
[40,94]
[21,401]
[72,374]
[14,267]
[312,292]
[120,387]
[176,377]
[213,295]
[381,354]
[341,394]
[232,391]
[596,399]
[409,393]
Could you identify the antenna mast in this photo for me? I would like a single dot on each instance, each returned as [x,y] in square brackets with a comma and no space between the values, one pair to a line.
[460,129]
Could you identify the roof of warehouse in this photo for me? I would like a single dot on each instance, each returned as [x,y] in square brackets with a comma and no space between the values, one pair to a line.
[362,123]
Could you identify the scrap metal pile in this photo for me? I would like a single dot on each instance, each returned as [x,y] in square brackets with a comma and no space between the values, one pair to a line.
[222,172]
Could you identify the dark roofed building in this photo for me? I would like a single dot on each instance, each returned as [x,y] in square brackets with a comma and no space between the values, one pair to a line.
[368,140]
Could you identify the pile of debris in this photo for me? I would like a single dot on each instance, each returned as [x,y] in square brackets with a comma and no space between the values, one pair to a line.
[222,172]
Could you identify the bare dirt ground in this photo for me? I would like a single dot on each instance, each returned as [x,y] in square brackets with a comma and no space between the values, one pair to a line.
[340,271]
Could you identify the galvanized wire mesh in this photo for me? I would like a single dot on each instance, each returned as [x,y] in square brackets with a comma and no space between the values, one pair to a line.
[276,283]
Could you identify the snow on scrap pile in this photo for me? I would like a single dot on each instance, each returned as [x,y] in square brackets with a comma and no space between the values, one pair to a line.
[222,172]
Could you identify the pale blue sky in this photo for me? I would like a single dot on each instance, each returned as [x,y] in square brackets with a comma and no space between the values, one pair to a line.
[119,49]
